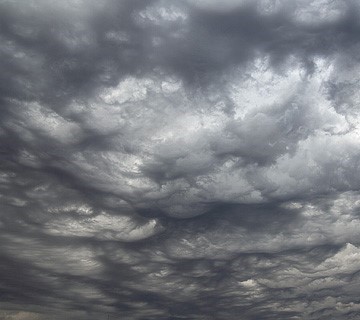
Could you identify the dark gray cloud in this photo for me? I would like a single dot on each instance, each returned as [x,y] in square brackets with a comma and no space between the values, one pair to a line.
[179,159]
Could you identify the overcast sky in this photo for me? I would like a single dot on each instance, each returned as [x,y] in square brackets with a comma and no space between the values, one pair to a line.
[189,159]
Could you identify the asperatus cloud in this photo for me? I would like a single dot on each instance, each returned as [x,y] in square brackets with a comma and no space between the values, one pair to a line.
[189,159]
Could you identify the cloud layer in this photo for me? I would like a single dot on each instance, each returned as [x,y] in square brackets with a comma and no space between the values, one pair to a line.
[179,159]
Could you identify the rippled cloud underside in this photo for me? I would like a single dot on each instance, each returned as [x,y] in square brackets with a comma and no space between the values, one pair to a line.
[192,159]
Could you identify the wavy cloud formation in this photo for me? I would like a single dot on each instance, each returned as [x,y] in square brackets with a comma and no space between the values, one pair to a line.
[179,159]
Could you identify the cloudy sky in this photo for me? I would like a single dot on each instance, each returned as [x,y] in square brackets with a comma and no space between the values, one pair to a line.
[179,159]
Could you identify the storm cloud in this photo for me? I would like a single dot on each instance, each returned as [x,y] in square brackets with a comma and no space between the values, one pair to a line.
[190,159]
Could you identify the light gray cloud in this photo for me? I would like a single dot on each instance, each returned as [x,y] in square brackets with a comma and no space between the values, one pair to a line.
[179,160]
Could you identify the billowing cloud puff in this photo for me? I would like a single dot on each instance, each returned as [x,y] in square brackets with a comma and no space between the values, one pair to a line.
[167,160]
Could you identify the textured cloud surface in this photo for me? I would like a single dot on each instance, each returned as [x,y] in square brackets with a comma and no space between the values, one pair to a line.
[193,159]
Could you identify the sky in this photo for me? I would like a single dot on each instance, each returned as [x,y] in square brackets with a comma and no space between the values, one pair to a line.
[189,159]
